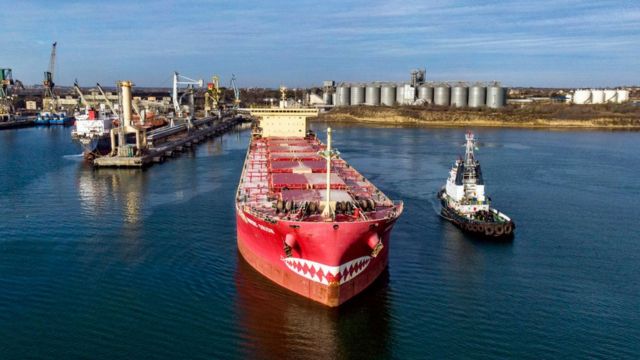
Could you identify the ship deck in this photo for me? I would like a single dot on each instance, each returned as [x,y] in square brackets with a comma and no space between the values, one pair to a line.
[280,170]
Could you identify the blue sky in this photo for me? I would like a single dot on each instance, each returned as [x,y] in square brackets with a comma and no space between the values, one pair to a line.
[300,43]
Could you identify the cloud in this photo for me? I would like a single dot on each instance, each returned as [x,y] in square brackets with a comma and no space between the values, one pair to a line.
[283,41]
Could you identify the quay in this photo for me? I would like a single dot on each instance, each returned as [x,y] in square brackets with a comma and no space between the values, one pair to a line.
[165,144]
[154,146]
[14,124]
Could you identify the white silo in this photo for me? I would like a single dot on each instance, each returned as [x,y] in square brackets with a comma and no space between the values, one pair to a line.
[610,96]
[582,96]
[597,96]
[622,96]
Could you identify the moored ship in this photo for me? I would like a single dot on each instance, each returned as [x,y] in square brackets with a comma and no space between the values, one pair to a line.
[465,204]
[305,218]
[92,130]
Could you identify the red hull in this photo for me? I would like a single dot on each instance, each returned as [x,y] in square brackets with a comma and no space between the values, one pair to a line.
[332,277]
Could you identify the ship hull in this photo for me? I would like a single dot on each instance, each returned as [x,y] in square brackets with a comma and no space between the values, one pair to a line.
[490,231]
[328,264]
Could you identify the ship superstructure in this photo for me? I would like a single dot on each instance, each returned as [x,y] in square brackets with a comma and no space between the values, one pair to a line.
[305,218]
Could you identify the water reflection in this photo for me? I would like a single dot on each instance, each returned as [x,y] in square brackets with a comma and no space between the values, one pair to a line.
[104,190]
[282,325]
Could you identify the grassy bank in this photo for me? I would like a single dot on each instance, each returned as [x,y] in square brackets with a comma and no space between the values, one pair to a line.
[611,116]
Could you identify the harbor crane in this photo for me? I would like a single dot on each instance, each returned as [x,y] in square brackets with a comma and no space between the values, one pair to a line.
[212,96]
[8,89]
[48,79]
[183,80]
[236,92]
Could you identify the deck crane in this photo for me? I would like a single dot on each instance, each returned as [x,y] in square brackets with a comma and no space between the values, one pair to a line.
[183,80]
[82,99]
[48,78]
[106,99]
[236,92]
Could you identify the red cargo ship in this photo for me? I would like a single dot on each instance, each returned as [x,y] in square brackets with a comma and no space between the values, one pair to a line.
[305,218]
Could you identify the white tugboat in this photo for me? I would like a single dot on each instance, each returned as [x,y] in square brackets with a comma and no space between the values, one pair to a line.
[465,204]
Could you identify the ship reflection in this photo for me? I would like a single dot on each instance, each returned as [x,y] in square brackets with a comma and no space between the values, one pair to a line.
[282,325]
[105,190]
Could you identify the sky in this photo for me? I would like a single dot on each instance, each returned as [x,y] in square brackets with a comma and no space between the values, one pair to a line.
[265,43]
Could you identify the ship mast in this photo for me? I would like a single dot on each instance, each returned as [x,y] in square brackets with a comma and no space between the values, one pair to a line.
[328,154]
[469,158]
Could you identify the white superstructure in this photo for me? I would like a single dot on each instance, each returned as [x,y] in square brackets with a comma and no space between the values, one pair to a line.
[465,186]
[93,124]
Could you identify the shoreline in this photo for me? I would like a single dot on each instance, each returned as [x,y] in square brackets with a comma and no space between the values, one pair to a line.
[435,118]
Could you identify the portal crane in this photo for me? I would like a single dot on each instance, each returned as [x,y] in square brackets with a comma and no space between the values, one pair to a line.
[212,96]
[48,78]
[236,92]
[183,80]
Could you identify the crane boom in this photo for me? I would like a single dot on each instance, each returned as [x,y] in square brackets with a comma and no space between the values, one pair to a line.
[77,88]
[106,99]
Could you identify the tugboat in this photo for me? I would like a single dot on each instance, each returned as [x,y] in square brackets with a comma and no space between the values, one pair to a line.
[464,202]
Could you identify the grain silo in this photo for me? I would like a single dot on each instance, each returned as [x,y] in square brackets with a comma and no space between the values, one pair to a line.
[372,95]
[496,96]
[357,94]
[459,94]
[400,94]
[425,93]
[334,98]
[477,96]
[327,98]
[343,92]
[388,94]
[442,95]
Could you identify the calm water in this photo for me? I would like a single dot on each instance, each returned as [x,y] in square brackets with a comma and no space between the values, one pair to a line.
[124,264]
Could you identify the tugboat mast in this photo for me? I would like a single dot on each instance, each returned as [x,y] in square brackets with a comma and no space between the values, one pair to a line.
[469,158]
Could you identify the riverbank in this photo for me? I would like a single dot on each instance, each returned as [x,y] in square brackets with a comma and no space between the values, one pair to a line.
[615,116]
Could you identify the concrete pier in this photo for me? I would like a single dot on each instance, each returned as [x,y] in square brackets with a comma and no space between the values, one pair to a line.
[177,143]
[18,123]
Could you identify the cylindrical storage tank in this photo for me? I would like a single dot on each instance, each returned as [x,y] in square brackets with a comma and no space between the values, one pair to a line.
[459,95]
[597,96]
[610,96]
[425,92]
[496,96]
[581,97]
[327,98]
[388,95]
[400,94]
[343,95]
[477,96]
[334,98]
[622,96]
[357,95]
[442,95]
[372,95]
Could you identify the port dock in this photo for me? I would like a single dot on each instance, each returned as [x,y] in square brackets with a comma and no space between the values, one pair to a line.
[167,142]
[17,123]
